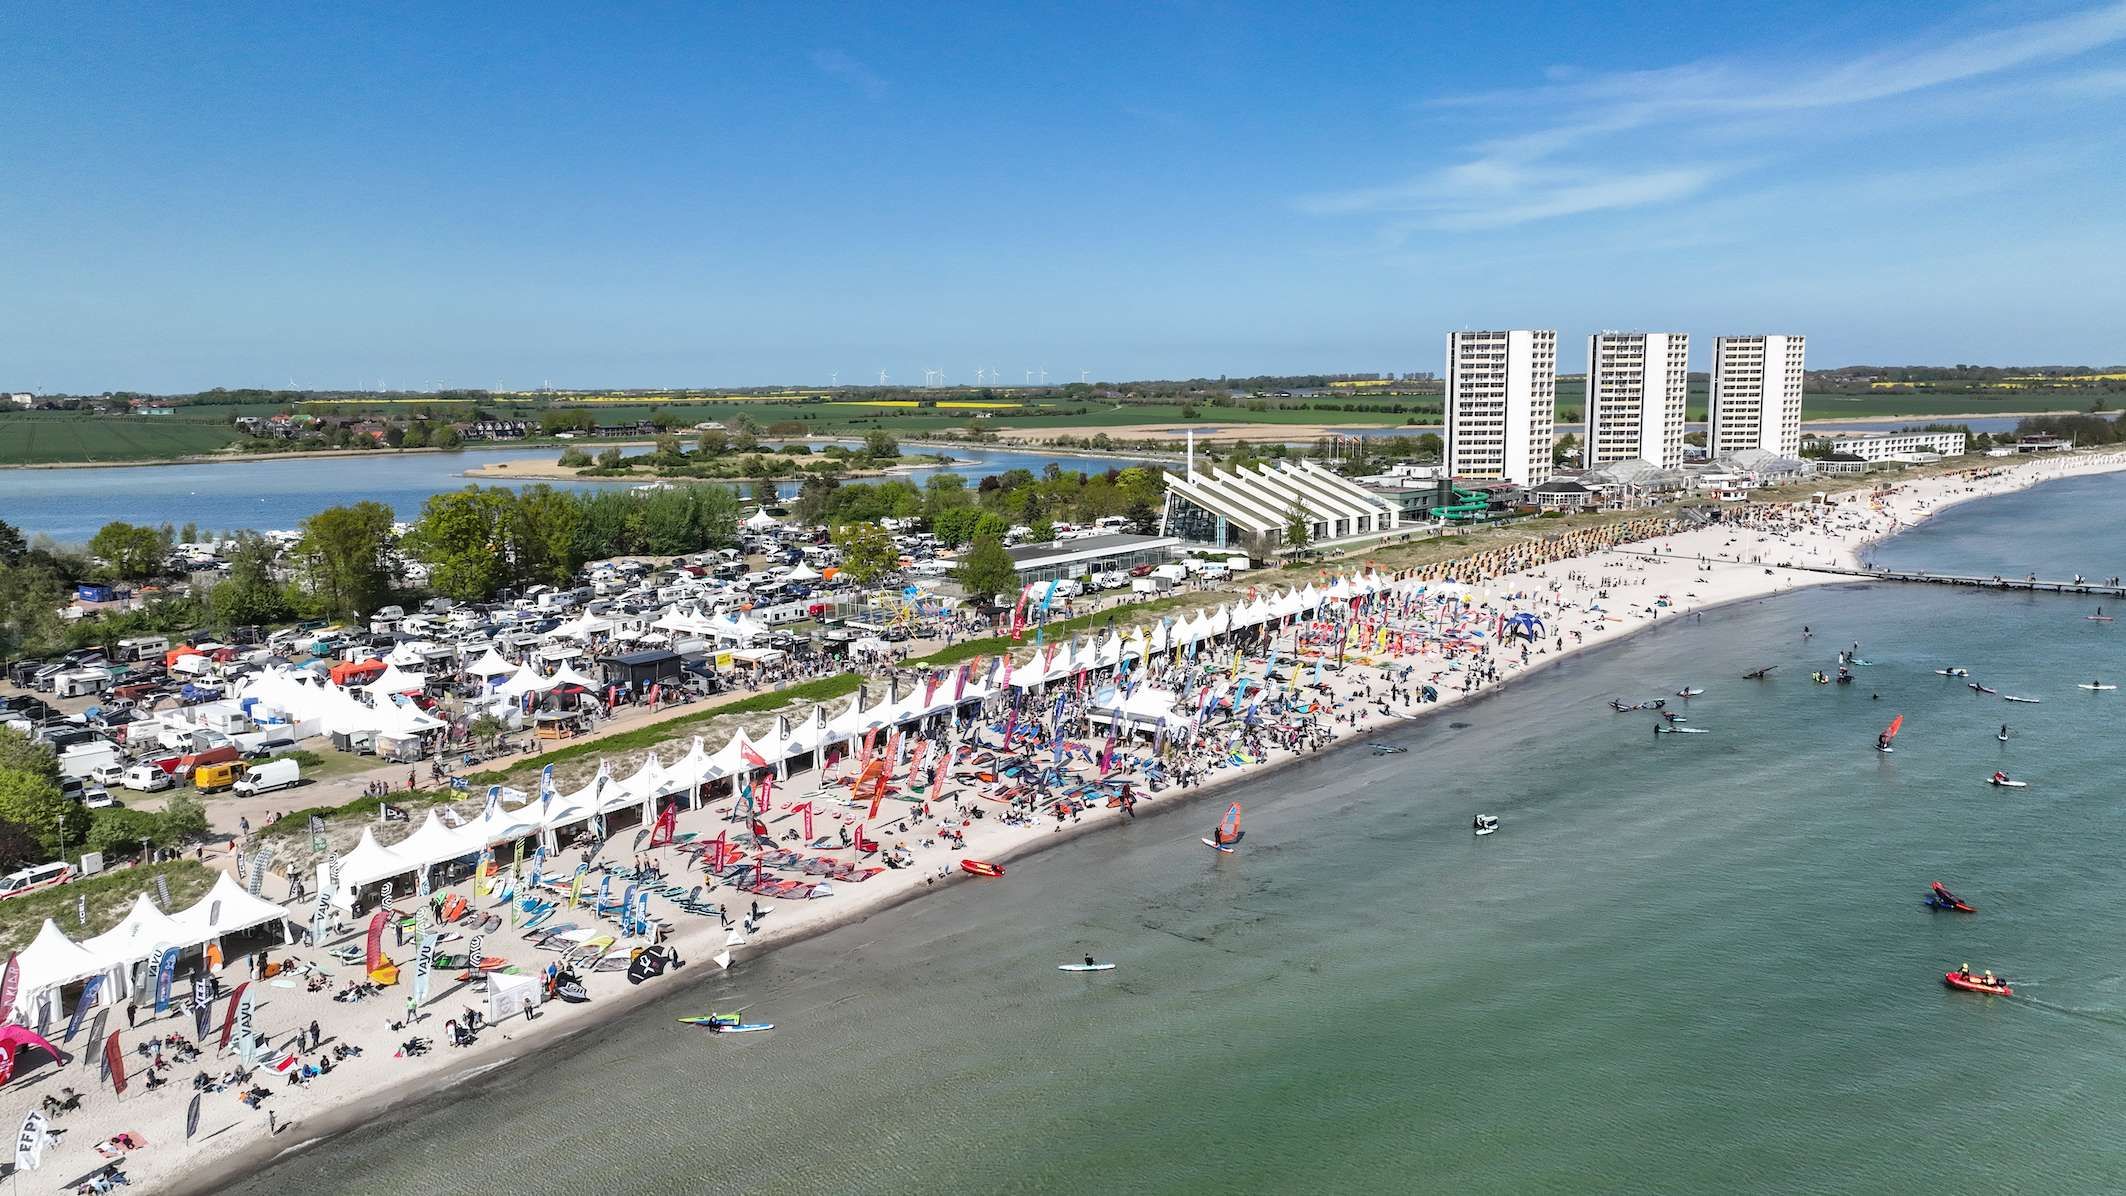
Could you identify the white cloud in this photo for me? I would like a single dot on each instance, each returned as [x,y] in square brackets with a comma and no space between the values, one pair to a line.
[1569,156]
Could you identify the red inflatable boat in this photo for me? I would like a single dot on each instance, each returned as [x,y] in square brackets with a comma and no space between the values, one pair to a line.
[1975,984]
[981,868]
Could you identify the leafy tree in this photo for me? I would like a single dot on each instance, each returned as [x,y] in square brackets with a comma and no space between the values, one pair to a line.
[30,597]
[250,596]
[122,832]
[713,442]
[469,541]
[487,729]
[868,551]
[880,443]
[1041,531]
[1566,449]
[415,435]
[609,458]
[574,458]
[20,753]
[344,558]
[954,527]
[986,570]
[183,817]
[128,552]
[59,822]
[1298,533]
[446,437]
[12,545]
[19,847]
[548,523]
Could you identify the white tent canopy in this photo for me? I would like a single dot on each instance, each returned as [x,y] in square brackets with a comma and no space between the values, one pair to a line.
[226,909]
[143,931]
[51,961]
[1143,709]
[490,664]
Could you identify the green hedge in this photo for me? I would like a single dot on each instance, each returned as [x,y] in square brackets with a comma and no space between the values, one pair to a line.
[297,822]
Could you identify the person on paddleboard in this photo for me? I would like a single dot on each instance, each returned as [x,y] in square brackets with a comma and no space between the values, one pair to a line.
[1088,961]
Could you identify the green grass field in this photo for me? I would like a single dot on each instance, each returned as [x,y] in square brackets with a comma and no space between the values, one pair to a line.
[47,437]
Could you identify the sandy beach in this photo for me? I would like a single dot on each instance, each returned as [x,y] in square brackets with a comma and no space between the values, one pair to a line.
[1585,587]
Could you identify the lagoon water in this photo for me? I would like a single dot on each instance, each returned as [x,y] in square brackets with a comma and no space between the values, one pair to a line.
[1686,963]
[70,504]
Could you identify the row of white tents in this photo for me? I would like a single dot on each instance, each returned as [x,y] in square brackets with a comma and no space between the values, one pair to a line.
[53,960]
[556,816]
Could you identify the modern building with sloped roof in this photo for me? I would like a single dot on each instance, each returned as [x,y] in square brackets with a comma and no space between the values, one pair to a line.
[1249,507]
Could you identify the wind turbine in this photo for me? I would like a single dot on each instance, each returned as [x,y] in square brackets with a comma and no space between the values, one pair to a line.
[882,377]
[834,379]
[1081,376]
[1044,375]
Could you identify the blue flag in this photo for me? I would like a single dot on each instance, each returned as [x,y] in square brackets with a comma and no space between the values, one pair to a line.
[81,1007]
[165,972]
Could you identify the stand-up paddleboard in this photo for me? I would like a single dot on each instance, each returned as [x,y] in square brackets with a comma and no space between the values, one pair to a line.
[1953,672]
[2008,784]
[2025,701]
[2098,688]
[1689,692]
[742,1028]
[1085,967]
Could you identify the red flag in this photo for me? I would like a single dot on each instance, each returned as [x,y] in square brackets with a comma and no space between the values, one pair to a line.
[804,808]
[915,764]
[930,687]
[10,984]
[228,1017]
[374,956]
[937,782]
[114,1058]
[667,821]
[765,792]
[893,750]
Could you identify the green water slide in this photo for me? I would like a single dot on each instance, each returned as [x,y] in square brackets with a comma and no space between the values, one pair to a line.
[1467,505]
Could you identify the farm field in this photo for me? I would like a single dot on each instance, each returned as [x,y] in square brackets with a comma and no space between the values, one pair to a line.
[50,437]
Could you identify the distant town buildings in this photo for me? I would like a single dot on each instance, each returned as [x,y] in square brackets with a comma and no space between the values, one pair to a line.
[1637,385]
[1502,390]
[1901,446]
[1756,395]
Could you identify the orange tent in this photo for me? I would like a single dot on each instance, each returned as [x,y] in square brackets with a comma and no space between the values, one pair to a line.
[348,672]
[171,657]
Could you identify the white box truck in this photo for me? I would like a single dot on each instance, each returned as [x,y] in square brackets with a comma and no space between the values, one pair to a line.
[265,778]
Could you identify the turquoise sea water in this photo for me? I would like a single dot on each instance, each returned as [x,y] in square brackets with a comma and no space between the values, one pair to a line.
[1686,964]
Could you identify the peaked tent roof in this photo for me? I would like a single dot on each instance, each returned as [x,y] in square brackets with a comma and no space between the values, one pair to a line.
[226,909]
[137,935]
[51,960]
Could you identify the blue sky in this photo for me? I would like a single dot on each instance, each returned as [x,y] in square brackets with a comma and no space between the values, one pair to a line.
[694,194]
